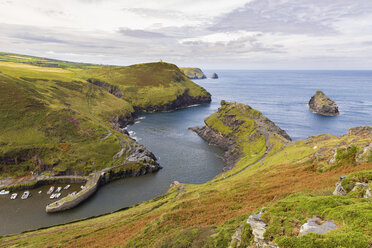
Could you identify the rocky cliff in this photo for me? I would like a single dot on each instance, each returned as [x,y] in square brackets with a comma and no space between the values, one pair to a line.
[236,123]
[323,105]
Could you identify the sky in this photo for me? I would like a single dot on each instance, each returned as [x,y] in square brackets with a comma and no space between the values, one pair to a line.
[210,34]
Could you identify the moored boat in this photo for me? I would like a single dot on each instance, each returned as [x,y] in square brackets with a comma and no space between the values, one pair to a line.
[57,195]
[13,196]
[58,189]
[25,195]
[4,192]
[50,190]
[67,186]
[52,196]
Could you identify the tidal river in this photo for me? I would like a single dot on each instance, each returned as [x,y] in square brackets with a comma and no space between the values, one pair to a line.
[281,95]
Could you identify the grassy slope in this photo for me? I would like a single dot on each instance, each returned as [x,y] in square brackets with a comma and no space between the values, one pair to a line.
[47,108]
[207,215]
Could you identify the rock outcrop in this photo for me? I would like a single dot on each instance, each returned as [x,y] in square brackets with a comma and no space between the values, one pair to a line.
[323,105]
[193,73]
[258,230]
[317,225]
[214,75]
[221,128]
[339,189]
[181,101]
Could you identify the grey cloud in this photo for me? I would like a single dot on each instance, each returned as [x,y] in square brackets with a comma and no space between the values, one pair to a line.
[288,16]
[139,33]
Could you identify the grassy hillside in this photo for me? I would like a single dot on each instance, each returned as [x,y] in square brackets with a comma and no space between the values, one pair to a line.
[294,182]
[54,121]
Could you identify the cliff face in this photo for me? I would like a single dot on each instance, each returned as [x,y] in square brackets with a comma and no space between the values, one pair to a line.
[182,101]
[323,105]
[193,73]
[234,124]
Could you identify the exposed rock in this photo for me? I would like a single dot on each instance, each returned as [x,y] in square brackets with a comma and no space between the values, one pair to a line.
[236,239]
[214,75]
[258,230]
[317,225]
[339,189]
[108,87]
[174,184]
[364,187]
[360,131]
[263,127]
[182,101]
[321,104]
[193,73]
[365,154]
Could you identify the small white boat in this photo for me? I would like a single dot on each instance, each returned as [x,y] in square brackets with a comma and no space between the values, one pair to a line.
[50,190]
[57,195]
[82,187]
[13,196]
[40,192]
[58,189]
[4,192]
[72,194]
[25,195]
[52,196]
[67,186]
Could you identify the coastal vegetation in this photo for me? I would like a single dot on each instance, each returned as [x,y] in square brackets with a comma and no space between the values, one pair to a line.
[288,182]
[57,120]
[193,73]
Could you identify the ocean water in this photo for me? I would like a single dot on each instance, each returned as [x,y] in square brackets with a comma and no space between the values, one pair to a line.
[280,95]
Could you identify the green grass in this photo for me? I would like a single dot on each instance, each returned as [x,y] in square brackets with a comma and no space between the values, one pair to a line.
[354,216]
[286,182]
[46,103]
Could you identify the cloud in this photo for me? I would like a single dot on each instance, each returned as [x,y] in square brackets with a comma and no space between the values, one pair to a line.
[242,33]
[141,33]
[293,17]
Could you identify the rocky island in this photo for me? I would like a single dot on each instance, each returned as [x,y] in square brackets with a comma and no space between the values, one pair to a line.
[214,75]
[193,73]
[323,105]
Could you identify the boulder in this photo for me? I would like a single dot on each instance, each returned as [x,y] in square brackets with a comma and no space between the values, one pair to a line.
[323,105]
[214,75]
[317,225]
[339,189]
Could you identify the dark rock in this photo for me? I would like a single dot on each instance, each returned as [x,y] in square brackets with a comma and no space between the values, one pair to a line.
[323,105]
[182,101]
[214,75]
[108,87]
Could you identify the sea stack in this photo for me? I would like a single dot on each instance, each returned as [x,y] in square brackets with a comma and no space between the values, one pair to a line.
[214,75]
[323,105]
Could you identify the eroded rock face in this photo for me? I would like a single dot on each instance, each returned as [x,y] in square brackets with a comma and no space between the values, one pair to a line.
[339,189]
[258,229]
[317,225]
[323,105]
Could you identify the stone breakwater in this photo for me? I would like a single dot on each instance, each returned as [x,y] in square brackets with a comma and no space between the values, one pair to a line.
[72,201]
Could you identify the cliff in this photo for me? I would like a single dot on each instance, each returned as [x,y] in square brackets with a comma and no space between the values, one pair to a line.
[234,125]
[61,118]
[193,73]
[323,105]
